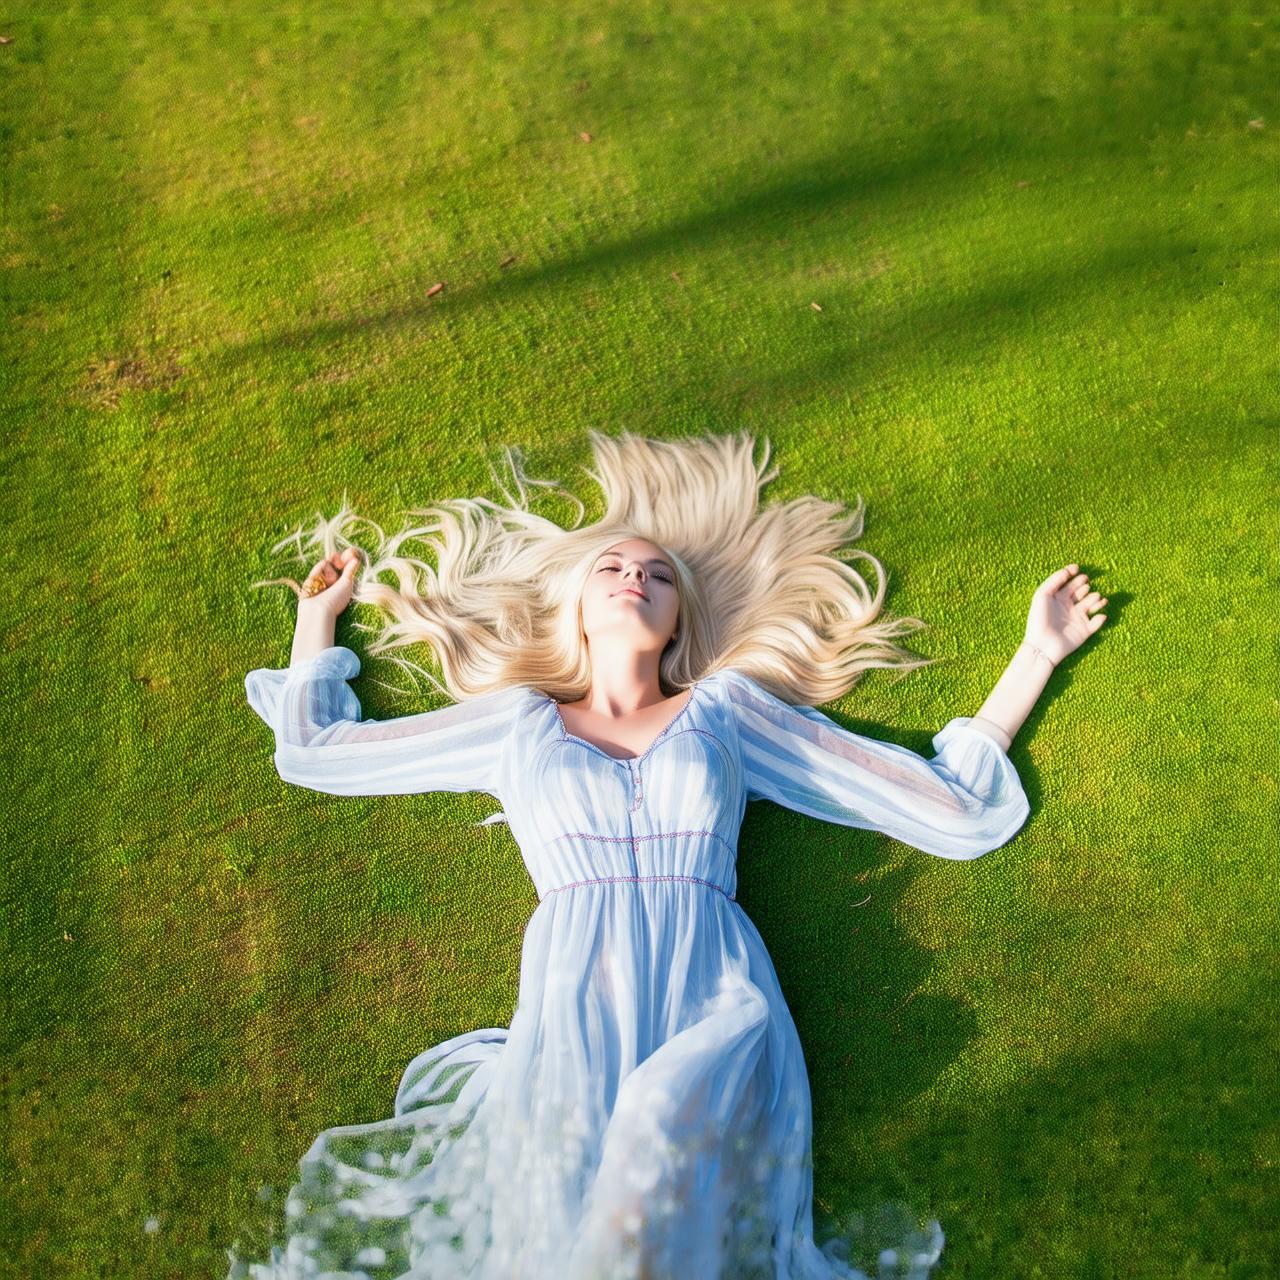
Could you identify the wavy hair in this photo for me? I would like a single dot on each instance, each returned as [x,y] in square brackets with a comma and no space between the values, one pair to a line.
[762,589]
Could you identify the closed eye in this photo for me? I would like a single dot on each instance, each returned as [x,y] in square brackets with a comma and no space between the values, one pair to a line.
[661,577]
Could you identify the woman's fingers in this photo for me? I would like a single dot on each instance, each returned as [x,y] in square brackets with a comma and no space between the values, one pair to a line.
[1076,588]
[338,569]
[1055,580]
[332,566]
[326,571]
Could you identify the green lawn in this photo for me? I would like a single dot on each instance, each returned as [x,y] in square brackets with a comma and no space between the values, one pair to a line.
[1009,272]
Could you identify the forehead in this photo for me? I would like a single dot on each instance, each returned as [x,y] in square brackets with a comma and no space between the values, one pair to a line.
[637,547]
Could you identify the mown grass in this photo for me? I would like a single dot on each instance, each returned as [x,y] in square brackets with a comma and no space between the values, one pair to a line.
[1042,242]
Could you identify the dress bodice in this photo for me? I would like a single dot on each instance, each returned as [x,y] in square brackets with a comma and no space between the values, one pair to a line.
[578,812]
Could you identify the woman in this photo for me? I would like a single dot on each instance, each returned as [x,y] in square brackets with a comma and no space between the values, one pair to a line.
[625,689]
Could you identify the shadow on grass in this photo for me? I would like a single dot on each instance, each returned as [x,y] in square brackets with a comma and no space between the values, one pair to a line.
[1149,1153]
[806,188]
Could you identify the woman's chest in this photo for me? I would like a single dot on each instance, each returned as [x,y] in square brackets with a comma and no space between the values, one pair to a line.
[688,778]
[629,738]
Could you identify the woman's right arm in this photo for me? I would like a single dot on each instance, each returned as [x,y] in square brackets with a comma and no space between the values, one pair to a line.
[318,615]
[323,741]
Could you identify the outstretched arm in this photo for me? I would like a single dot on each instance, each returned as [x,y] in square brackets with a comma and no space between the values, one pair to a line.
[962,802]
[324,742]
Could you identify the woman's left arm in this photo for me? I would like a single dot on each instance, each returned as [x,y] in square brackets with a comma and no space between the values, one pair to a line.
[1063,616]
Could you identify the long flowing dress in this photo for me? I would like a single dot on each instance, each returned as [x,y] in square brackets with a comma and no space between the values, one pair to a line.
[647,1112]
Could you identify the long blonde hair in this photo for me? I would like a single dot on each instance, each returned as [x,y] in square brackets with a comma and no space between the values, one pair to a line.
[765,590]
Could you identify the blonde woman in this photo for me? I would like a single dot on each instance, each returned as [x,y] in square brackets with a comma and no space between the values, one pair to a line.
[624,689]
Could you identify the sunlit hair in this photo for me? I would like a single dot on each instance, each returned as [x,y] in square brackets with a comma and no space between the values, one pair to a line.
[763,589]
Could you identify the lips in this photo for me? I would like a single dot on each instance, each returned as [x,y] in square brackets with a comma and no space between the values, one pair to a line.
[629,591]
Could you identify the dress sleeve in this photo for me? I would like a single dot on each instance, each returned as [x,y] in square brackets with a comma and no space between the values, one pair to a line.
[962,803]
[324,743]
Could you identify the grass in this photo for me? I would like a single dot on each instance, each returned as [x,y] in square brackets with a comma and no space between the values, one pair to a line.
[1042,242]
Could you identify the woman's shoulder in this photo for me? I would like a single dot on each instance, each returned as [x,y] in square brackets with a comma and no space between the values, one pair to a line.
[730,679]
[745,692]
[515,695]
[729,688]
[723,676]
[508,700]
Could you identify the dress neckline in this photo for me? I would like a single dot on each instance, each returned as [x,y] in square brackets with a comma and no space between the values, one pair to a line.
[627,760]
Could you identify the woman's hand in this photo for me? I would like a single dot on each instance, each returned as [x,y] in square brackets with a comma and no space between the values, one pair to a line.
[338,572]
[1062,613]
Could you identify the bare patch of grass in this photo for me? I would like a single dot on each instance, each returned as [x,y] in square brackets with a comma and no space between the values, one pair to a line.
[106,380]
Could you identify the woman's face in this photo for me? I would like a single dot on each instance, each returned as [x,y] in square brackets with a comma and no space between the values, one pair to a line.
[629,598]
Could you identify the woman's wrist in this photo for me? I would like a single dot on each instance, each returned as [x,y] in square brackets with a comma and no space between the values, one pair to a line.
[1015,693]
[1039,653]
[313,634]
[992,730]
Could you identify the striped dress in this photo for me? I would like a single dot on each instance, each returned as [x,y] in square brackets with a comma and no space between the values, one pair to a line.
[647,1112]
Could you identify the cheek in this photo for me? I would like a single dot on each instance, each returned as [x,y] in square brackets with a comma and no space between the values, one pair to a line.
[595,598]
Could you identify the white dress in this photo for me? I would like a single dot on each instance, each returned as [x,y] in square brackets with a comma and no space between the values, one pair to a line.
[647,1112]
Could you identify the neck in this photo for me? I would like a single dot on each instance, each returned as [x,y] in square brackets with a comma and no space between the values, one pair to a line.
[623,683]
